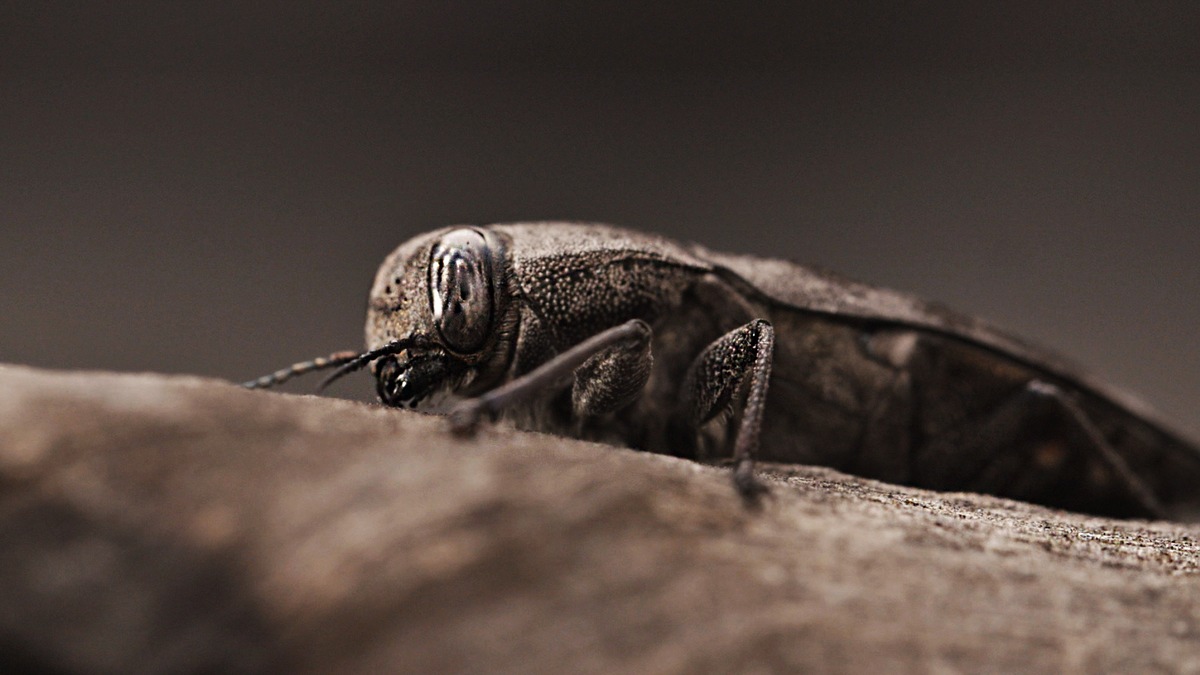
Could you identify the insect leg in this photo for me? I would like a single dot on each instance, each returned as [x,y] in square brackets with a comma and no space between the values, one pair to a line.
[1039,405]
[594,355]
[740,356]
[613,377]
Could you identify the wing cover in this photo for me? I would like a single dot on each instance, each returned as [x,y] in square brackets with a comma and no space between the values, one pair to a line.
[808,289]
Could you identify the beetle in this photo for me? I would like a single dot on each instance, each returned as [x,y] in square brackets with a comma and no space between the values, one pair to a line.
[615,335]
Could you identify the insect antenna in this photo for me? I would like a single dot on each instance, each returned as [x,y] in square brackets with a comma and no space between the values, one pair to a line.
[283,375]
[359,361]
[346,362]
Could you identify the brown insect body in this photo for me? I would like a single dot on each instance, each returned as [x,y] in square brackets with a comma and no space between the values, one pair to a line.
[858,378]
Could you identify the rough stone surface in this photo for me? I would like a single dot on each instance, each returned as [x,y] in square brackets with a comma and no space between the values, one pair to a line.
[155,524]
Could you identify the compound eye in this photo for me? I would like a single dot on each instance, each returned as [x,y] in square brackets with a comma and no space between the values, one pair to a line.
[460,289]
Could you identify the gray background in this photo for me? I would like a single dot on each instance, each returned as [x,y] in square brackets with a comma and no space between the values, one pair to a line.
[209,190]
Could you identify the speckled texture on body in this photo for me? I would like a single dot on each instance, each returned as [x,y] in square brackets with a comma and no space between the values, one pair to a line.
[171,524]
[862,379]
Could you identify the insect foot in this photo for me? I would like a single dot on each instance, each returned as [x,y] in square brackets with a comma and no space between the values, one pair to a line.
[464,417]
[748,485]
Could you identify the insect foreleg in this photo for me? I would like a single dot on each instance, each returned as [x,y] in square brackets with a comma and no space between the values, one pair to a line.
[608,387]
[741,356]
[613,377]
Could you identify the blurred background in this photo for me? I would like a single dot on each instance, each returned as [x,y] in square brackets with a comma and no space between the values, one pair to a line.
[208,187]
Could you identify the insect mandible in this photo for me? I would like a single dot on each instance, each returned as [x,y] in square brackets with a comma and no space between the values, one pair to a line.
[615,335]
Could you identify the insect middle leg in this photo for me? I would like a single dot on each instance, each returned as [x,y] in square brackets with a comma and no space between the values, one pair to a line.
[741,357]
[611,368]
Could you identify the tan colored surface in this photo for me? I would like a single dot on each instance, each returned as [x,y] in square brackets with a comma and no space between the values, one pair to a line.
[154,523]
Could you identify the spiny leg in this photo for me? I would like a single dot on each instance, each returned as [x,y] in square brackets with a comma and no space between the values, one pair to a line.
[630,338]
[742,355]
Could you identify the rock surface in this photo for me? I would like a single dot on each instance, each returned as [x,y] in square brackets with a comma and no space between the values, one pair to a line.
[167,524]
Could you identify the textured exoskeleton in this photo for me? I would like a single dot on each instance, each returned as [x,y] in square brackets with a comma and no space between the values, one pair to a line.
[614,335]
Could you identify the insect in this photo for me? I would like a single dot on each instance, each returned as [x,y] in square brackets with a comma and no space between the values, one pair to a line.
[614,335]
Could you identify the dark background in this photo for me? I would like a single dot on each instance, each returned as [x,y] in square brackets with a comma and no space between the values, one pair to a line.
[209,190]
